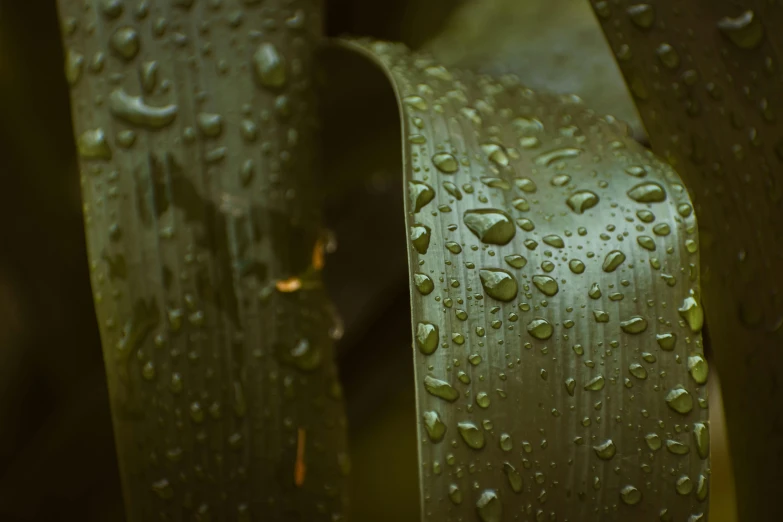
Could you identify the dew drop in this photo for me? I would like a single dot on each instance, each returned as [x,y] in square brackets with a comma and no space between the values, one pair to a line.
[471,434]
[423,283]
[692,313]
[420,238]
[540,329]
[420,194]
[583,200]
[499,284]
[649,192]
[642,15]
[745,31]
[436,429]
[697,367]
[513,476]
[440,389]
[490,225]
[606,450]
[634,325]
[132,109]
[269,66]
[630,495]
[613,260]
[427,338]
[701,437]
[679,400]
[125,43]
[92,144]
[445,162]
[595,384]
[488,506]
[547,285]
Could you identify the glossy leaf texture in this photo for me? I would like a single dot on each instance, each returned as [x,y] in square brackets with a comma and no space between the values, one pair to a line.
[706,79]
[556,309]
[195,127]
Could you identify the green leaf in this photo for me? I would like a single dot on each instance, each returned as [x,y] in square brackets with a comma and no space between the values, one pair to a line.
[198,159]
[526,390]
[706,80]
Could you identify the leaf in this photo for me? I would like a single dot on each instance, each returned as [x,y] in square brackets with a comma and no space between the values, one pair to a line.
[524,381]
[199,167]
[706,80]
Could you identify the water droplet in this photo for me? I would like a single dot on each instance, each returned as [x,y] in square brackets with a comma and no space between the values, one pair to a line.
[416,102]
[211,125]
[125,43]
[74,63]
[496,154]
[701,436]
[668,56]
[646,242]
[506,444]
[606,450]
[576,266]
[582,200]
[684,485]
[653,441]
[540,329]
[516,260]
[676,447]
[630,495]
[600,316]
[636,171]
[546,285]
[436,429]
[269,66]
[471,434]
[634,325]
[452,189]
[440,389]
[554,241]
[132,109]
[455,494]
[423,283]
[499,284]
[745,31]
[427,338]
[595,384]
[420,194]
[482,399]
[526,185]
[453,247]
[445,162]
[642,15]
[595,291]
[649,192]
[679,400]
[693,313]
[637,370]
[420,238]
[666,341]
[697,367]
[488,506]
[612,260]
[92,144]
[163,489]
[111,9]
[491,226]
[547,158]
[514,478]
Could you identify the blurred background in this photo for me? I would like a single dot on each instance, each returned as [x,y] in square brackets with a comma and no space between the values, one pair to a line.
[56,446]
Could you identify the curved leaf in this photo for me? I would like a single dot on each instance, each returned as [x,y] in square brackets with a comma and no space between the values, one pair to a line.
[706,79]
[198,165]
[555,302]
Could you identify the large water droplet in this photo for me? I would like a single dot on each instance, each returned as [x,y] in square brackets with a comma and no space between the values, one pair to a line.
[679,400]
[420,238]
[693,313]
[606,450]
[514,478]
[427,338]
[445,162]
[488,506]
[132,109]
[595,384]
[697,367]
[423,283]
[701,436]
[630,495]
[546,285]
[125,43]
[92,144]
[491,226]
[440,389]
[420,194]
[499,284]
[634,325]
[540,329]
[745,31]
[582,200]
[612,260]
[269,66]
[471,434]
[649,192]
[436,429]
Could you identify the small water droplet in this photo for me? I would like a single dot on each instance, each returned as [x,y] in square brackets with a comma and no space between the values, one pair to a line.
[445,162]
[649,192]
[427,338]
[701,436]
[547,285]
[630,495]
[606,450]
[634,325]
[595,384]
[693,313]
[666,341]
[423,283]
[269,66]
[436,429]
[698,368]
[613,260]
[440,389]
[642,15]
[125,43]
[420,238]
